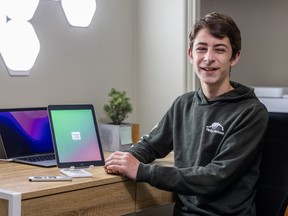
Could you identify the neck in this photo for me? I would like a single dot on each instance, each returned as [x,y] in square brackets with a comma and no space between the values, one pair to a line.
[214,91]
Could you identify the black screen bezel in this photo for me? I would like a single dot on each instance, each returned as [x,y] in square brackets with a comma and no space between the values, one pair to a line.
[78,164]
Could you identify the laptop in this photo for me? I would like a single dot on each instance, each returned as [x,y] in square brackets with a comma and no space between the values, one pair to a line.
[25,136]
[75,136]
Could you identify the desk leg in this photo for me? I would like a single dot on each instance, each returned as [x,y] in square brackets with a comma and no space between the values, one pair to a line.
[14,201]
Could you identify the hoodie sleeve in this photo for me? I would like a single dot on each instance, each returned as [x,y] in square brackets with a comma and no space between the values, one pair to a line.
[157,144]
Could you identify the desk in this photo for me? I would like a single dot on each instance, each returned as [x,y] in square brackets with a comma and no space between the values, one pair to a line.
[103,194]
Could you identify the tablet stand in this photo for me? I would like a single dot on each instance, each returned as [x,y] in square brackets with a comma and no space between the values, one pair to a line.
[76,173]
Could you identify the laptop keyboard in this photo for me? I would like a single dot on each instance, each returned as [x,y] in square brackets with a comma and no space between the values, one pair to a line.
[39,158]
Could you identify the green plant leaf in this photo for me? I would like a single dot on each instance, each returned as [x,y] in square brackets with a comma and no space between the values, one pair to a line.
[119,106]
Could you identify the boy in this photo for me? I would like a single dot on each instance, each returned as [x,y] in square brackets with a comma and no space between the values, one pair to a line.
[216,133]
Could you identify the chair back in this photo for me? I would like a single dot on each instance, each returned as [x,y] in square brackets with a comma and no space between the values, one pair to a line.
[272,191]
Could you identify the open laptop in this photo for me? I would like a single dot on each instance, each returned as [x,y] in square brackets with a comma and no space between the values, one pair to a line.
[25,136]
[75,136]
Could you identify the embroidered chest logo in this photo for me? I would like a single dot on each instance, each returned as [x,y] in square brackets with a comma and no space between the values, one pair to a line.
[216,127]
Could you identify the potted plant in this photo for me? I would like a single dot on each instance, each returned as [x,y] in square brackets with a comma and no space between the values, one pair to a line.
[119,106]
[118,135]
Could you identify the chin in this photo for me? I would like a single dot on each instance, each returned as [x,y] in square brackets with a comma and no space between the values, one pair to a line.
[209,81]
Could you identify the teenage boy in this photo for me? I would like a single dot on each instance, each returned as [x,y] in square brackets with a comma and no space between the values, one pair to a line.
[216,133]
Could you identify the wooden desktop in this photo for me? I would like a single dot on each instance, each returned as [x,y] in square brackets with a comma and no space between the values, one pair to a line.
[103,194]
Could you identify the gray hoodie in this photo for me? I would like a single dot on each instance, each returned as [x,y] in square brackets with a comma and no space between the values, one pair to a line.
[217,151]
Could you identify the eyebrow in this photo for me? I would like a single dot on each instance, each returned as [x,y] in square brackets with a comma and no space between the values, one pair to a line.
[205,44]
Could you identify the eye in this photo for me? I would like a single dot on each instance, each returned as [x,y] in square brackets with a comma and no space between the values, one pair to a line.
[201,49]
[220,50]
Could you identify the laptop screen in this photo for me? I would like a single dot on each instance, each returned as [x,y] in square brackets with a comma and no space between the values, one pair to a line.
[25,131]
[75,135]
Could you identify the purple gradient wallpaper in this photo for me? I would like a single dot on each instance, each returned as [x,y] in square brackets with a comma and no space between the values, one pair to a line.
[25,131]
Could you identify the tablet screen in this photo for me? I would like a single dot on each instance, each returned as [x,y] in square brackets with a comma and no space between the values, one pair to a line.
[75,136]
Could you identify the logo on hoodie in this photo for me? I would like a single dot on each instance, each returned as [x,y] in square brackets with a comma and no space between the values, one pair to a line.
[216,127]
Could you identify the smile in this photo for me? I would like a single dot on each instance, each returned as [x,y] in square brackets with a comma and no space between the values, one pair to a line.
[209,68]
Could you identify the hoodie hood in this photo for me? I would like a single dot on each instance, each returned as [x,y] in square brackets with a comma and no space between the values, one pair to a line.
[240,92]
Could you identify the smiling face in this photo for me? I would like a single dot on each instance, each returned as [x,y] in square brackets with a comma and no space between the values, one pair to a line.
[212,61]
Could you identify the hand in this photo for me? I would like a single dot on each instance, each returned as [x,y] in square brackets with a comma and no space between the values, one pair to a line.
[123,163]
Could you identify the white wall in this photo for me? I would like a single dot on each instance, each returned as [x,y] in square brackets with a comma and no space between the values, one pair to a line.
[77,65]
[135,46]
[139,46]
[161,57]
[264,29]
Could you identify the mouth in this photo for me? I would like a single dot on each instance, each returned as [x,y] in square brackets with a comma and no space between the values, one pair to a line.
[209,69]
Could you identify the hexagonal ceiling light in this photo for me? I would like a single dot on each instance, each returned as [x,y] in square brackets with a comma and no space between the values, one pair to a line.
[79,13]
[20,9]
[2,23]
[20,45]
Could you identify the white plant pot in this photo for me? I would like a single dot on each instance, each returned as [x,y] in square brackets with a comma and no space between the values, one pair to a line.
[117,137]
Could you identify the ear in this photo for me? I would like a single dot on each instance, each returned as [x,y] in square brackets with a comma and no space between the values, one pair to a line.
[190,56]
[235,59]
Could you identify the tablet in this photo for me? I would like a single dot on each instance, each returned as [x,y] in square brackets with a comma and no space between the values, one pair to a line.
[75,136]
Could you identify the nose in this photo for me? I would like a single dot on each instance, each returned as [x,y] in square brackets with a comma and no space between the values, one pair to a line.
[209,57]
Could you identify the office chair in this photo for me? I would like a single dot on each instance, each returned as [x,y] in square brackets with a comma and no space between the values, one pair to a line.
[272,191]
